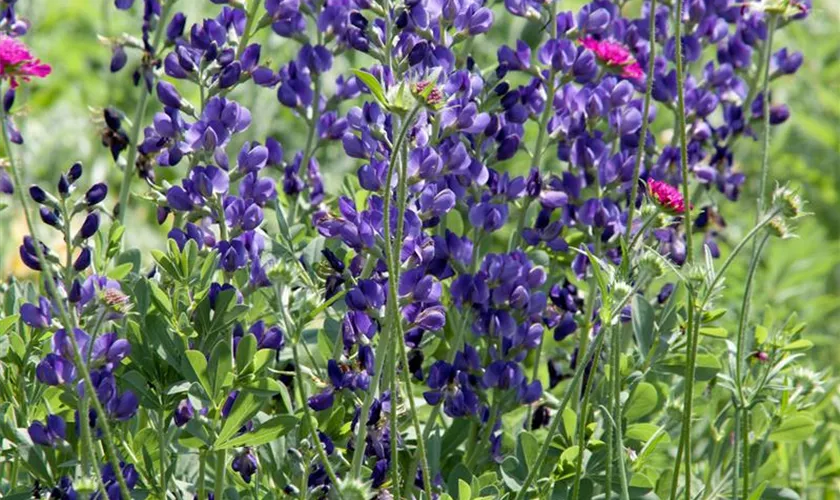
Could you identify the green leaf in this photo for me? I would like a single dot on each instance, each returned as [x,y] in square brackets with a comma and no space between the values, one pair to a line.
[796,428]
[198,363]
[798,345]
[642,402]
[161,300]
[120,271]
[247,405]
[262,358]
[268,431]
[642,318]
[7,322]
[529,448]
[464,490]
[714,331]
[706,368]
[245,351]
[641,432]
[760,334]
[373,84]
[221,364]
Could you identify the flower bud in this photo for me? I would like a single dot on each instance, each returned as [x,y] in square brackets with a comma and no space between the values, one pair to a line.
[8,100]
[83,260]
[118,58]
[778,228]
[788,201]
[89,226]
[96,194]
[175,28]
[50,217]
[168,95]
[75,172]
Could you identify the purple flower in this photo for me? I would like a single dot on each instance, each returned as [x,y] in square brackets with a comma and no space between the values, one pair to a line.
[184,412]
[48,434]
[245,464]
[38,316]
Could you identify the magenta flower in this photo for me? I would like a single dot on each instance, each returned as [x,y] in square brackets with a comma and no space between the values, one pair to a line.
[666,196]
[17,63]
[615,56]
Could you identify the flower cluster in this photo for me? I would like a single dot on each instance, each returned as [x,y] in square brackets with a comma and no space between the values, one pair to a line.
[436,272]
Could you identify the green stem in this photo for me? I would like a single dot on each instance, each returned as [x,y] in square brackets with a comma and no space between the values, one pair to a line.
[313,436]
[202,470]
[745,436]
[68,324]
[219,483]
[617,411]
[558,417]
[691,343]
[582,419]
[393,420]
[640,151]
[136,126]
[765,98]
[384,341]
[249,23]
[163,445]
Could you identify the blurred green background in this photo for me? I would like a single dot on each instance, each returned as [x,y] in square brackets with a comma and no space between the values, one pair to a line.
[59,120]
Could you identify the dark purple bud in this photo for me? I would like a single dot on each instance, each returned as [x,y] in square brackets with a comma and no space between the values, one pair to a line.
[250,57]
[323,401]
[175,28]
[6,186]
[118,58]
[8,100]
[89,226]
[779,114]
[230,75]
[63,186]
[168,95]
[123,4]
[112,119]
[96,194]
[50,217]
[38,194]
[75,172]
[83,260]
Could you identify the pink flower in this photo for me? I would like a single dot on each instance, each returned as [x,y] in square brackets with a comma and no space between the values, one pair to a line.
[17,63]
[614,55]
[666,196]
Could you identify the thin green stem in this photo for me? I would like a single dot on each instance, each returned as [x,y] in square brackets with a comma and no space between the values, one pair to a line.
[249,23]
[736,454]
[583,414]
[691,343]
[765,103]
[202,470]
[136,126]
[640,151]
[384,341]
[163,446]
[567,395]
[313,436]
[617,413]
[558,417]
[219,483]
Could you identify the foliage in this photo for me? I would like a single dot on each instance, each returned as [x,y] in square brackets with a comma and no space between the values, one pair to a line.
[352,250]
